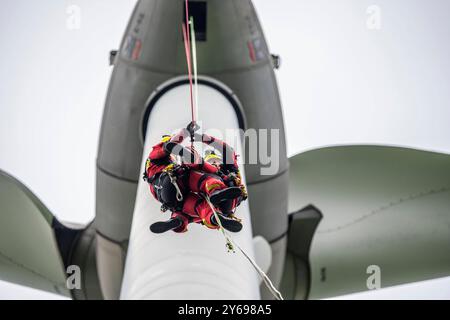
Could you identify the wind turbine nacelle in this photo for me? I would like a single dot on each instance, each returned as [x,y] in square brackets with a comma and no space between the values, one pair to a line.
[232,53]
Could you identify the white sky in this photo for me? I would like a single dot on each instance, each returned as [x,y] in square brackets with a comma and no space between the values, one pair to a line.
[339,82]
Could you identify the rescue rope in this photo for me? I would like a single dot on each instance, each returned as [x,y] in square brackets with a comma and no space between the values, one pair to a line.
[187,47]
[194,62]
[230,243]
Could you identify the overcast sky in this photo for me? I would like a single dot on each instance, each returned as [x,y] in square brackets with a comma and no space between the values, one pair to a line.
[353,71]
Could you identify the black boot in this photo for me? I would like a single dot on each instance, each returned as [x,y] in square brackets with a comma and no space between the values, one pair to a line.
[163,226]
[228,223]
[226,207]
[225,194]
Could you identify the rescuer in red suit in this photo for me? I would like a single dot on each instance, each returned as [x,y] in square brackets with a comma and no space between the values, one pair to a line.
[181,188]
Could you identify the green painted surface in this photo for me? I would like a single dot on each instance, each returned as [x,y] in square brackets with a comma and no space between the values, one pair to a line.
[383,206]
[28,251]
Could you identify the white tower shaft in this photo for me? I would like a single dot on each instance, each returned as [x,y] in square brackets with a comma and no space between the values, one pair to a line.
[195,264]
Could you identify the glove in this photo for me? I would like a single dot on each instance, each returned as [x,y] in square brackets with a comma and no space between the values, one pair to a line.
[192,127]
[229,168]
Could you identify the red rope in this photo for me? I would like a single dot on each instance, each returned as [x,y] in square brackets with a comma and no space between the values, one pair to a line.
[187,47]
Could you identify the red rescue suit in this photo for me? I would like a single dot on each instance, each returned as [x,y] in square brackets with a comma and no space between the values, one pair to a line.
[191,178]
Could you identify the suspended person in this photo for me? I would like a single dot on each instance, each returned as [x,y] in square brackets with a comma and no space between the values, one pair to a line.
[182,188]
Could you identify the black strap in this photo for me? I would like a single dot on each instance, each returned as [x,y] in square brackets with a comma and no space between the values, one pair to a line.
[161,182]
[161,161]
